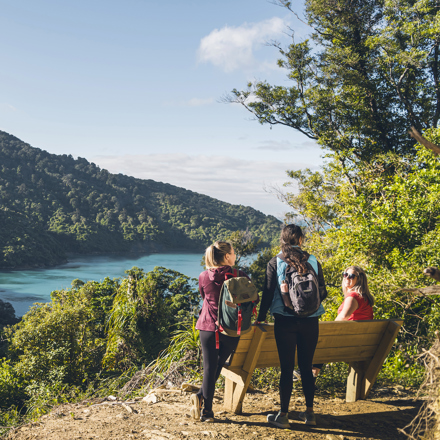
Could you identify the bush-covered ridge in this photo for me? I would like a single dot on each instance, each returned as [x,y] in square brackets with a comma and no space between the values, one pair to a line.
[51,204]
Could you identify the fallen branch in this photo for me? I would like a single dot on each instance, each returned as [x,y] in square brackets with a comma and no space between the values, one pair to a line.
[113,403]
[421,140]
[165,390]
[430,290]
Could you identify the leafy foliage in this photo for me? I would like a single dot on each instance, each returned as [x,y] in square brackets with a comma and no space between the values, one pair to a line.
[383,216]
[55,204]
[369,70]
[89,333]
[144,308]
[184,349]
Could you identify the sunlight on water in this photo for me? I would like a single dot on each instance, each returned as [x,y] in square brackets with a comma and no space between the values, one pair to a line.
[25,287]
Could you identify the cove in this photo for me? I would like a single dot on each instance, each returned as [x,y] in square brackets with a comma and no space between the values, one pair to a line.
[22,288]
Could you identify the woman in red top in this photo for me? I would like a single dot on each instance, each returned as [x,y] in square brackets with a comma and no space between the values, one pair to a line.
[358,301]
[219,259]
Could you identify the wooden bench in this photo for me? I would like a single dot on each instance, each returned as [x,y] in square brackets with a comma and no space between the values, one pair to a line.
[364,345]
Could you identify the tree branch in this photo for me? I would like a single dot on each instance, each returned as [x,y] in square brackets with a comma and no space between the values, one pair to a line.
[421,140]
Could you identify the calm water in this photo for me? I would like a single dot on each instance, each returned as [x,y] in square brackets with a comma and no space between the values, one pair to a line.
[24,287]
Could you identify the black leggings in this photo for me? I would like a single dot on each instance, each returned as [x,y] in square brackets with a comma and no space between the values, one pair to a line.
[213,361]
[291,332]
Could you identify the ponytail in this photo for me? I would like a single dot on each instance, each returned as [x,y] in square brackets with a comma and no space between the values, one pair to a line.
[216,253]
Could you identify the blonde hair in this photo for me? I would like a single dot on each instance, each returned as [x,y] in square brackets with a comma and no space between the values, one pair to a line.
[216,253]
[361,286]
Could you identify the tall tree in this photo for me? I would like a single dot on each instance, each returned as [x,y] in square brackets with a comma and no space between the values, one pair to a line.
[368,72]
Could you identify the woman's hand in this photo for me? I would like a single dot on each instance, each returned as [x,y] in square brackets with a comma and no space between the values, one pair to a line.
[349,307]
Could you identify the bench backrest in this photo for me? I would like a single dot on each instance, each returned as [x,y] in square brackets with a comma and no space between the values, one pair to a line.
[342,341]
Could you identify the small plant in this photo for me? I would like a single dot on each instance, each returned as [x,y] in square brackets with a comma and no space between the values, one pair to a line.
[183,342]
[402,367]
[266,378]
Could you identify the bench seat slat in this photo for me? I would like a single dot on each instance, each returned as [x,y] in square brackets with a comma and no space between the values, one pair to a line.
[322,355]
[329,341]
[338,341]
[327,328]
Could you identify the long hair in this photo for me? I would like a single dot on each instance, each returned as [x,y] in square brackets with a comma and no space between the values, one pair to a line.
[361,286]
[216,253]
[290,241]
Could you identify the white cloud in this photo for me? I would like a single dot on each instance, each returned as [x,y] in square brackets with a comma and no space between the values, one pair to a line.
[232,48]
[8,106]
[193,102]
[197,102]
[235,181]
[285,145]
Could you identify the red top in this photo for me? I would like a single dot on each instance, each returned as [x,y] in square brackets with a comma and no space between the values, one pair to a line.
[364,310]
[210,284]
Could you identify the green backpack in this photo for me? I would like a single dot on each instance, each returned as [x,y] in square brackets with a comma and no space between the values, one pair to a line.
[237,303]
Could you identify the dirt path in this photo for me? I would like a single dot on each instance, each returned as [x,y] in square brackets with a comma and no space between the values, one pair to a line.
[379,417]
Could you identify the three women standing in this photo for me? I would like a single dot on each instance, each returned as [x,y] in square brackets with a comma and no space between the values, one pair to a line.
[291,332]
[219,259]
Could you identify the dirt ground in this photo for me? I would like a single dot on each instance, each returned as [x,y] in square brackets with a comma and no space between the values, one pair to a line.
[379,417]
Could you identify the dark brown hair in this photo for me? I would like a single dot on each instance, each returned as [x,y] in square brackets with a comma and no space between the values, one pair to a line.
[290,241]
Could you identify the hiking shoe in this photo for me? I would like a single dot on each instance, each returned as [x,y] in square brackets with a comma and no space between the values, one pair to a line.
[207,416]
[296,375]
[308,417]
[278,420]
[196,404]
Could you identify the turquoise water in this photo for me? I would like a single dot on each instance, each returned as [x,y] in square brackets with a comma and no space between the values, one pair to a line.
[24,287]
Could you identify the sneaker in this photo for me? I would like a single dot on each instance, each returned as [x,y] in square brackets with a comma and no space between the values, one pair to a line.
[296,375]
[207,417]
[278,420]
[308,417]
[196,404]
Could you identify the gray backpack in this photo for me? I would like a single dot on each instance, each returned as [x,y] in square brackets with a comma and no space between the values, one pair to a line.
[303,299]
[237,303]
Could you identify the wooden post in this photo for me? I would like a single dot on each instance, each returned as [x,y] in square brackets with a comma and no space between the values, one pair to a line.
[355,381]
[242,379]
[374,366]
[229,393]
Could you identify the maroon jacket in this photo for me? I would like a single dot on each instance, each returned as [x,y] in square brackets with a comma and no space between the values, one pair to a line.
[210,284]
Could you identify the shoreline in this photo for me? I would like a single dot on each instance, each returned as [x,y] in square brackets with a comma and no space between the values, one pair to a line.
[122,254]
[24,287]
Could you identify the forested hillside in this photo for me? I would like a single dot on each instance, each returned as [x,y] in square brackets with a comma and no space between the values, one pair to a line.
[51,205]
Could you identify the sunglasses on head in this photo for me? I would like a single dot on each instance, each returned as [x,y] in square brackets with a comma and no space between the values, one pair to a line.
[350,276]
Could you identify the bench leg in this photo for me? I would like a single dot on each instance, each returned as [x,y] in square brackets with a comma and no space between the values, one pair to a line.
[382,352]
[355,381]
[229,394]
[236,390]
[239,394]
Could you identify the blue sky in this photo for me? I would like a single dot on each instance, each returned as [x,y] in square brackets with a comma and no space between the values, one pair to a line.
[135,87]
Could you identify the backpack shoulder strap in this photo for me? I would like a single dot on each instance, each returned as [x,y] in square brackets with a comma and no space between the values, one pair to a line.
[235,272]
[314,263]
[282,257]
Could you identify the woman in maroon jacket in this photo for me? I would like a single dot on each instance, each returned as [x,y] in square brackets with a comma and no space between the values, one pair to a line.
[219,259]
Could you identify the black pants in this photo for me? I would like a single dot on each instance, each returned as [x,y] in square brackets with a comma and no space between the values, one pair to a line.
[292,333]
[213,361]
